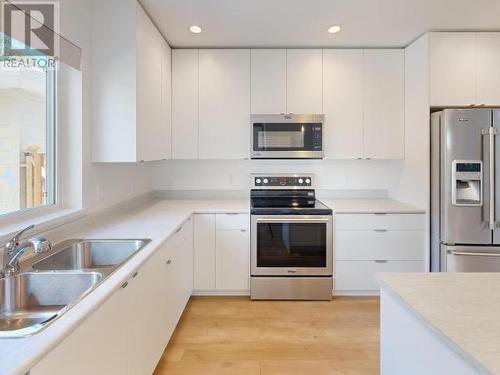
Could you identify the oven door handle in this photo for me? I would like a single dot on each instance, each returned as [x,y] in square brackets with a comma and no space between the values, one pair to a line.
[276,220]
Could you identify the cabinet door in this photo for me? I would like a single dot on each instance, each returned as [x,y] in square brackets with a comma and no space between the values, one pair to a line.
[148,312]
[342,98]
[224,115]
[488,72]
[185,264]
[204,252]
[232,260]
[173,294]
[453,69]
[165,131]
[361,276]
[383,104]
[97,346]
[304,81]
[150,132]
[185,104]
[268,73]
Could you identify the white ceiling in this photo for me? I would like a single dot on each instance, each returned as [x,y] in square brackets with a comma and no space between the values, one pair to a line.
[303,23]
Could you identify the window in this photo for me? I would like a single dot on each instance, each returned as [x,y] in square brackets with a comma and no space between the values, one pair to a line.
[27,137]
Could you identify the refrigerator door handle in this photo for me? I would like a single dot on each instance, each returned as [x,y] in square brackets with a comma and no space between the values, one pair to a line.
[474,254]
[491,134]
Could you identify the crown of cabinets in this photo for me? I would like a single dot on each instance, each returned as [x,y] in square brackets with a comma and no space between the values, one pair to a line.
[361,92]
[131,85]
[464,69]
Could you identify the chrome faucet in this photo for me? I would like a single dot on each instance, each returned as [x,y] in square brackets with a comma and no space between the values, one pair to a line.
[14,250]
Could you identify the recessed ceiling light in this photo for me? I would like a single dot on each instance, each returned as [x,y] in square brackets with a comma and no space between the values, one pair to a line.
[334,29]
[195,29]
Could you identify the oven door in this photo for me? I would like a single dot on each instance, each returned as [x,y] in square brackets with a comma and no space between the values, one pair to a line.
[287,140]
[291,245]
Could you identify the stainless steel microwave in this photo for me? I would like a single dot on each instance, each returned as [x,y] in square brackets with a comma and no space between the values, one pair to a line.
[287,136]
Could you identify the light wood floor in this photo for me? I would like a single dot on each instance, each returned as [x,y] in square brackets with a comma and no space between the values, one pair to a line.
[233,335]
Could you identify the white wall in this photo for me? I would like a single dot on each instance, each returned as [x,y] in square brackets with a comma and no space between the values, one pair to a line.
[234,174]
[103,185]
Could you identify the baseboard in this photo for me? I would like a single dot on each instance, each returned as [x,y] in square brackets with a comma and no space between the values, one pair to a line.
[221,293]
[356,293]
[336,293]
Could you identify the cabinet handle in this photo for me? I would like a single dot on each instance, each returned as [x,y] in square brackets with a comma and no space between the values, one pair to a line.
[380,261]
[380,213]
[178,229]
[380,230]
[232,213]
[134,275]
[169,262]
[243,230]
[124,285]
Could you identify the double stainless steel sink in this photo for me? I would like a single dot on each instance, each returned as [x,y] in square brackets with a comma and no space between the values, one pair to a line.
[52,284]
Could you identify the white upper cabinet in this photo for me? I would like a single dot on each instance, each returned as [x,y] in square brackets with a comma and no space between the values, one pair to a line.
[224,103]
[304,81]
[130,85]
[152,123]
[488,69]
[268,74]
[452,68]
[342,103]
[185,104]
[165,129]
[383,104]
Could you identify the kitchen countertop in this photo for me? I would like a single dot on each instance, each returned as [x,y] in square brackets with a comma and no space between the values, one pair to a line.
[462,309]
[153,218]
[150,217]
[369,205]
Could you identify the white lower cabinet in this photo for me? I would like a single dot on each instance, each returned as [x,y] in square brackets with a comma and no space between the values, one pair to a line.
[359,277]
[367,244]
[221,253]
[129,332]
[233,260]
[148,311]
[204,252]
[97,346]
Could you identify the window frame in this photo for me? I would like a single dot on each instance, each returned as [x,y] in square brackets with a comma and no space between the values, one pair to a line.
[53,179]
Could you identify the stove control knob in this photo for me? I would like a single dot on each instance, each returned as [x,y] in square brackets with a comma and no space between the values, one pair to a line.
[258,180]
[301,181]
[266,180]
[308,181]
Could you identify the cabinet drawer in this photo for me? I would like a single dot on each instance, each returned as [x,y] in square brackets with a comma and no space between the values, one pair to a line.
[380,221]
[379,245]
[231,221]
[183,233]
[361,275]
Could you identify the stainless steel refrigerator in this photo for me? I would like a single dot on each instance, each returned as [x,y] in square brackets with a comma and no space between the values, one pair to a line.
[465,190]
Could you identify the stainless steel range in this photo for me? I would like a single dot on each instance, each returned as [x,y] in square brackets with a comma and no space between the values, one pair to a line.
[291,239]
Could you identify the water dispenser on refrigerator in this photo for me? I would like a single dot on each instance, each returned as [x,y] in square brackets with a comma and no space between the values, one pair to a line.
[467,183]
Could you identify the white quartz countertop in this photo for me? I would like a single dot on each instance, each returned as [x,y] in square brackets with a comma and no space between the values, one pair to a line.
[462,309]
[369,205]
[156,219]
